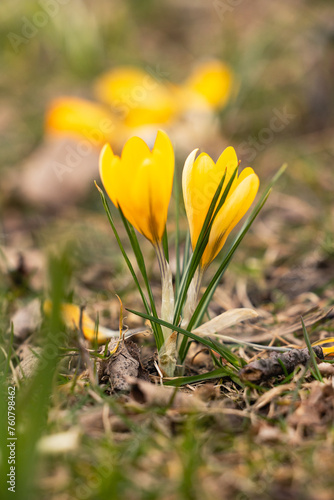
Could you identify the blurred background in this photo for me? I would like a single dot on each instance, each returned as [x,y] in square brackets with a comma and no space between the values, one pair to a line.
[255,75]
[75,73]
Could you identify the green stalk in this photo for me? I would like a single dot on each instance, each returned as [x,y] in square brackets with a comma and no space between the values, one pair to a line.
[202,242]
[158,337]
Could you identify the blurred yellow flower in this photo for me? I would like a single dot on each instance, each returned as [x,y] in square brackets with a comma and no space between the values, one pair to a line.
[210,84]
[327,345]
[136,96]
[200,181]
[81,118]
[71,313]
[140,182]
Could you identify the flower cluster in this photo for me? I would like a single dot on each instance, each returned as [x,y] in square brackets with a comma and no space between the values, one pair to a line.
[129,98]
[139,183]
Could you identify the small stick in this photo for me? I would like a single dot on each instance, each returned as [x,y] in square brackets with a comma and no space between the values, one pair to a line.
[263,369]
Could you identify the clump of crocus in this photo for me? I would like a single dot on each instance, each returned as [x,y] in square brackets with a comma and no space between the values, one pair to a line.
[136,96]
[216,198]
[130,99]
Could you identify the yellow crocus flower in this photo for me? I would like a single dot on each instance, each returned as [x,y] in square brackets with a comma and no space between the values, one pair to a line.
[200,180]
[140,182]
[210,83]
[81,118]
[136,96]
[71,315]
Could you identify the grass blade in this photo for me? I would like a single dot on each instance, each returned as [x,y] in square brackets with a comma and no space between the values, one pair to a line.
[202,242]
[158,338]
[141,264]
[211,344]
[165,244]
[317,373]
[207,296]
[219,373]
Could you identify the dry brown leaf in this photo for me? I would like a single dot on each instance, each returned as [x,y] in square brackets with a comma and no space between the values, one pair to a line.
[225,320]
[27,319]
[29,360]
[59,172]
[62,442]
[326,369]
[97,421]
[272,394]
[124,363]
[317,409]
[158,395]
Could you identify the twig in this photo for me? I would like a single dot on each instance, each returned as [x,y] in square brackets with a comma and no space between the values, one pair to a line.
[263,369]
[84,351]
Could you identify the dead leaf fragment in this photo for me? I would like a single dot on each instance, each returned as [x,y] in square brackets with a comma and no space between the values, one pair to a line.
[157,395]
[225,320]
[27,319]
[121,365]
[29,360]
[58,173]
[62,442]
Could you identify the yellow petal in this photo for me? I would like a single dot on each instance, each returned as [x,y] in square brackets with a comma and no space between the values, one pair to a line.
[212,81]
[138,97]
[109,169]
[140,182]
[162,175]
[228,160]
[81,118]
[201,178]
[232,211]
[71,313]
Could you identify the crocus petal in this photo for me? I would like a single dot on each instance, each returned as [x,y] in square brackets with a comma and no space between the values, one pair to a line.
[229,215]
[81,118]
[136,95]
[199,189]
[212,81]
[71,315]
[109,170]
[200,181]
[134,153]
[140,183]
[227,161]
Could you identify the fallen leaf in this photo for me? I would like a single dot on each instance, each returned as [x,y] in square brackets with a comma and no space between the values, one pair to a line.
[121,365]
[60,172]
[29,360]
[225,320]
[159,396]
[27,319]
[62,442]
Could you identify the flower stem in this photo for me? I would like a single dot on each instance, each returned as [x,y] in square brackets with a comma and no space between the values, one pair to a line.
[168,352]
[188,311]
[192,297]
